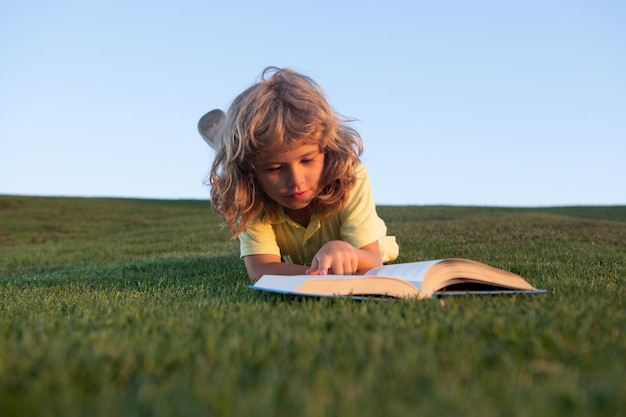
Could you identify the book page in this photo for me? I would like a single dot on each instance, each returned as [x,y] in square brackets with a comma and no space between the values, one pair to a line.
[413,272]
[289,284]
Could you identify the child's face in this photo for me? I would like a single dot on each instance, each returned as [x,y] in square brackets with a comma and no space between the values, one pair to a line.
[292,178]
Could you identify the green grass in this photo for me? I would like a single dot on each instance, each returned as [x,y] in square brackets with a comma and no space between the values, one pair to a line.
[113,307]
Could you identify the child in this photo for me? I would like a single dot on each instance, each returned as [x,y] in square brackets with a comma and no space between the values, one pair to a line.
[288,181]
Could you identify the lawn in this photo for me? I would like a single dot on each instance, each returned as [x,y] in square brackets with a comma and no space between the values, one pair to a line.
[120,307]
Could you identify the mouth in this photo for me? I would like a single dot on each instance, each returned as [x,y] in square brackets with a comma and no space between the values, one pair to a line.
[299,196]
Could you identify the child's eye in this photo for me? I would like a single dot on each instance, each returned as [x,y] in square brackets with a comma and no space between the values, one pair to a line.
[272,168]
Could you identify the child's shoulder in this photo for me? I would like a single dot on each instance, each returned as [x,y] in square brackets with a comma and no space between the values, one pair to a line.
[361,172]
[362,185]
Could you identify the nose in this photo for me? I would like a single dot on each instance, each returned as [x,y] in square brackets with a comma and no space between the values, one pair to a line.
[295,176]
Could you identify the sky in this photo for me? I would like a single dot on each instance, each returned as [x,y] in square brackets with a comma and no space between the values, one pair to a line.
[488,103]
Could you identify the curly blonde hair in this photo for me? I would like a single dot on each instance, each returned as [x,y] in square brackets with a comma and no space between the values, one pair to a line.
[284,110]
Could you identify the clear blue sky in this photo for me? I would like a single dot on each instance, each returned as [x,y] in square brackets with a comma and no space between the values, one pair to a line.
[508,103]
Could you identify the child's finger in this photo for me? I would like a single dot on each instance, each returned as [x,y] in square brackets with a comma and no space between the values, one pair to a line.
[321,263]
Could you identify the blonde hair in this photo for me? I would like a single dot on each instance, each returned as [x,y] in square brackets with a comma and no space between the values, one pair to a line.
[284,110]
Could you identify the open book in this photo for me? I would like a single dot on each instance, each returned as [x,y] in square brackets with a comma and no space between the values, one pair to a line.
[409,280]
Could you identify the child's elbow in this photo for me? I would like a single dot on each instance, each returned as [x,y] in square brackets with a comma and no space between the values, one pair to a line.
[254,273]
[254,277]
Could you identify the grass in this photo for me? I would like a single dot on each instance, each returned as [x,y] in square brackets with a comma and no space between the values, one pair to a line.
[141,307]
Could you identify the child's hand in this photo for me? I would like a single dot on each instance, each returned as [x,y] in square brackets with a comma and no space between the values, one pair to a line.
[335,257]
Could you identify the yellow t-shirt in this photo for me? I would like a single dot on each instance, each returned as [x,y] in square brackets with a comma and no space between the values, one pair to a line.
[357,223]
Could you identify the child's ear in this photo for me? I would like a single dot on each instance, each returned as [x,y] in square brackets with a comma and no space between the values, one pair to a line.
[209,126]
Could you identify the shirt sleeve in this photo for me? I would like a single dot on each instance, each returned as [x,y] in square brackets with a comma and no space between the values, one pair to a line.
[360,223]
[258,239]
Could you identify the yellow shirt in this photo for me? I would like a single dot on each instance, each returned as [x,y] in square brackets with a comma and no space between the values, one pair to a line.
[357,223]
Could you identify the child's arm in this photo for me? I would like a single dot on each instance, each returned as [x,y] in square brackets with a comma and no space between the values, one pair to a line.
[335,257]
[259,265]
